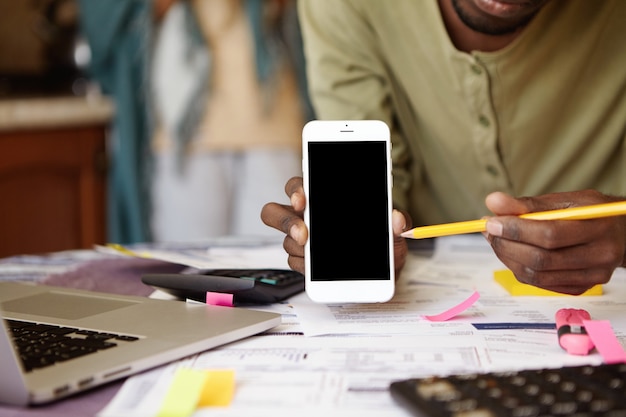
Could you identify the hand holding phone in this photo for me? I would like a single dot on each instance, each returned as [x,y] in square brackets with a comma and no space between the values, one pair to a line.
[348,161]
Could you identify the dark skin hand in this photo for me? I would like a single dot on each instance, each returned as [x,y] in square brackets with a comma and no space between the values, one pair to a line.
[567,256]
[289,220]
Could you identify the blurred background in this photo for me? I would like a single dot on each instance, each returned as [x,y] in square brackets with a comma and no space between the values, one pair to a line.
[132,121]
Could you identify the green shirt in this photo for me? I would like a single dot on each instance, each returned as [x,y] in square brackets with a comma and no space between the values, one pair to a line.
[545,114]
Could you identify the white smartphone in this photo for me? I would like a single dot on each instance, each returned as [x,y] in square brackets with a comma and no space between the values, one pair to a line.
[347,183]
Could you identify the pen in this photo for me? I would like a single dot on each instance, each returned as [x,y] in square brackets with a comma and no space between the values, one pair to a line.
[473,226]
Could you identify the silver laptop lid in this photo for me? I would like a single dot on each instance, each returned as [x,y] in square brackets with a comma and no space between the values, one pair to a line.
[165,331]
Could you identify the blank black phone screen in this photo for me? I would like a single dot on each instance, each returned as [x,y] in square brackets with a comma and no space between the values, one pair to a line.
[348,211]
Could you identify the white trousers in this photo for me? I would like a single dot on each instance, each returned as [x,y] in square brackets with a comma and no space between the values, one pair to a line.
[218,194]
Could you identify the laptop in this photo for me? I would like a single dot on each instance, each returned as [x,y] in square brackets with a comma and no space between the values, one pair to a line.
[123,335]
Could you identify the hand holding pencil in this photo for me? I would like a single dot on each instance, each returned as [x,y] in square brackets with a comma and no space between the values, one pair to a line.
[474,226]
[565,256]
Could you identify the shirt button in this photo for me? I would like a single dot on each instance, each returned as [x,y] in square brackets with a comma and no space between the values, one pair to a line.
[476,69]
[493,170]
[484,121]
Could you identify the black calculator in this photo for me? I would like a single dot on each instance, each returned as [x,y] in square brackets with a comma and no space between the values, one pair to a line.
[248,286]
[589,391]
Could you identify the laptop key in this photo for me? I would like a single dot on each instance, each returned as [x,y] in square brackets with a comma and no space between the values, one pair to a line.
[42,345]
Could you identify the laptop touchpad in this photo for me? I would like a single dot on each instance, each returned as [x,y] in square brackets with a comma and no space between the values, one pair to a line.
[63,306]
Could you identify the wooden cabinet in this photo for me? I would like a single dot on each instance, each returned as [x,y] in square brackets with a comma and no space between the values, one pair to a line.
[52,184]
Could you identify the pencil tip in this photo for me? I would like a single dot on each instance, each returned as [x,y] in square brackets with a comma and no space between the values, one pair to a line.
[407,234]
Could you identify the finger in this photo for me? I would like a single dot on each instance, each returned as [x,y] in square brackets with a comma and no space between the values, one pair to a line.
[400,223]
[294,184]
[296,263]
[285,219]
[549,234]
[502,204]
[292,247]
[295,192]
[567,282]
[295,251]
[599,254]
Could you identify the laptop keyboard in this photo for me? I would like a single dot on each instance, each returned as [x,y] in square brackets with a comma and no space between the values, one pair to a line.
[579,391]
[40,345]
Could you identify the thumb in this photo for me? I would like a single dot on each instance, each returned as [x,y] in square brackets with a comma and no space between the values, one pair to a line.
[502,204]
[398,222]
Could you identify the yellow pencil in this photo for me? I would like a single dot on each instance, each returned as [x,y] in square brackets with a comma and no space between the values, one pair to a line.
[474,226]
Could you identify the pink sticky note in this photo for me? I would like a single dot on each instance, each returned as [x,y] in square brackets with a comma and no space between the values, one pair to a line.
[456,310]
[219,299]
[601,334]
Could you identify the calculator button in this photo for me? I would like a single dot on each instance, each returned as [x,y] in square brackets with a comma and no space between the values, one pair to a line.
[570,391]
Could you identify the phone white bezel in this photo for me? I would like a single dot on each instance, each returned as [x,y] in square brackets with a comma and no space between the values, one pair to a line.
[348,291]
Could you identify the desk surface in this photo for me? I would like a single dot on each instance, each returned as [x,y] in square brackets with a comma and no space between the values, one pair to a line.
[347,373]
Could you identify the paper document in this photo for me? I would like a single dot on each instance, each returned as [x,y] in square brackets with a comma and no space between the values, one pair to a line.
[338,360]
[266,255]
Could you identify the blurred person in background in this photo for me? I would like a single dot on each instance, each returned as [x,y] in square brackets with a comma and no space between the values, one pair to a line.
[210,99]
[230,100]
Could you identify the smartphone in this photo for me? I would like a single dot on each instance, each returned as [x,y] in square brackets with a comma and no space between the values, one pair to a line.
[347,183]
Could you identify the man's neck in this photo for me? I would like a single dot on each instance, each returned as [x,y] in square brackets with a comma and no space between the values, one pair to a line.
[468,40]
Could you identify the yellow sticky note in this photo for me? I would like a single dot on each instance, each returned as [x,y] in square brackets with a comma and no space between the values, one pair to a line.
[219,389]
[508,281]
[192,388]
[183,396]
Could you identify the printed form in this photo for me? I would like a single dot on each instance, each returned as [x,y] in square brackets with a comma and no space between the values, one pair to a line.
[340,359]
